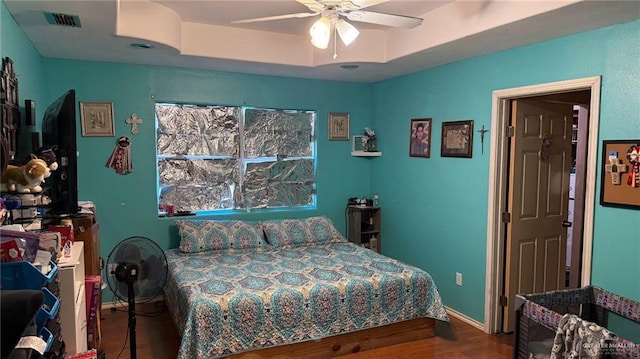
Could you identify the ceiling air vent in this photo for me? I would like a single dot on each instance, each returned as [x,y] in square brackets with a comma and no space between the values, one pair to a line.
[62,19]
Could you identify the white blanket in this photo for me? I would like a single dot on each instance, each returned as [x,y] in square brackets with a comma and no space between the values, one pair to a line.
[580,339]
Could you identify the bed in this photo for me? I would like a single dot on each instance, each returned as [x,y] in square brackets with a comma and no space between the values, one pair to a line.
[291,288]
[556,323]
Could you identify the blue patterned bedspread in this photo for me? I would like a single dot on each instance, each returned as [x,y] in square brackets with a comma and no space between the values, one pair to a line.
[230,303]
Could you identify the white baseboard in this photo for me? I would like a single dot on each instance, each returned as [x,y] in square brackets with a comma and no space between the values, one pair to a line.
[124,304]
[468,320]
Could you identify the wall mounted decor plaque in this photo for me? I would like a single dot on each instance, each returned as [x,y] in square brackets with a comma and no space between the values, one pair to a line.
[97,119]
[457,139]
[420,138]
[620,180]
[339,126]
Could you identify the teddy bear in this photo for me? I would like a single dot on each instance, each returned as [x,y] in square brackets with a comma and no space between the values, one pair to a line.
[25,179]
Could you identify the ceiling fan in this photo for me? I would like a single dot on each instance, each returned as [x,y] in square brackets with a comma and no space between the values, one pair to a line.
[332,12]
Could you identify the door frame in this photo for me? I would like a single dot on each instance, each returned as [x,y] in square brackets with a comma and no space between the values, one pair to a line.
[498,181]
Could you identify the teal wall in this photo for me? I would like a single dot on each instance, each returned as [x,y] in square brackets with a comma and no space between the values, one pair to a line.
[434,210]
[126,205]
[27,64]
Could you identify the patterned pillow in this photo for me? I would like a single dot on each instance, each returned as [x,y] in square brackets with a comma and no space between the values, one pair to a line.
[286,233]
[323,231]
[228,235]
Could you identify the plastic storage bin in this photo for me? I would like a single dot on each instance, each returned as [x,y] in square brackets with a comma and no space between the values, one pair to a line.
[45,323]
[46,335]
[24,275]
[49,308]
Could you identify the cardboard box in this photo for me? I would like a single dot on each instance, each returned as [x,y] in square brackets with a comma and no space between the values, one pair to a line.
[82,226]
[92,291]
[87,230]
[66,233]
[52,242]
[10,251]
[91,354]
[28,243]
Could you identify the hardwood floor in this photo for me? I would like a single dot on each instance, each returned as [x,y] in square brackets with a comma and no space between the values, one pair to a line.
[156,335]
[157,338]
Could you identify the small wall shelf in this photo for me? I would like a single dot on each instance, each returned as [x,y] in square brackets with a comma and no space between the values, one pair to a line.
[365,154]
[357,148]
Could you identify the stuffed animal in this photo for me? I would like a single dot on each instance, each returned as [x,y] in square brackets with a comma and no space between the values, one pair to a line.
[47,154]
[24,179]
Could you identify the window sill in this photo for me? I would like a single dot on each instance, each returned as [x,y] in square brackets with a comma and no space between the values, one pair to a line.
[365,154]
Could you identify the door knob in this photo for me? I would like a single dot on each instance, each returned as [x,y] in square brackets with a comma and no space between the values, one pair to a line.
[566,224]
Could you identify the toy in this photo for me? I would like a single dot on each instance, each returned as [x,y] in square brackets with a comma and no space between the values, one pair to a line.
[47,154]
[25,179]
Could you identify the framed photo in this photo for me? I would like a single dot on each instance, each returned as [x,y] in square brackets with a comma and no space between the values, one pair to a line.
[620,182]
[457,139]
[338,126]
[357,144]
[420,138]
[96,119]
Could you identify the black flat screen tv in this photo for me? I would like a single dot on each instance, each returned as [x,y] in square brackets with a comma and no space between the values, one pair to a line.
[59,129]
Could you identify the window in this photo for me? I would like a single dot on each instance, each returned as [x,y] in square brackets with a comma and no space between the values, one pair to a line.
[213,158]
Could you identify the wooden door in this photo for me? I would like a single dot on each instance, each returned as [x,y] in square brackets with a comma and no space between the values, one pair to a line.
[539,168]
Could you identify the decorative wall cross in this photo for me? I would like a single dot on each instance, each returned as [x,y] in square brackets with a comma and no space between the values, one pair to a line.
[134,121]
[615,168]
[482,132]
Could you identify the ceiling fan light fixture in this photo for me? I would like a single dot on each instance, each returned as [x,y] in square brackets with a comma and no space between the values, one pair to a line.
[321,32]
[347,32]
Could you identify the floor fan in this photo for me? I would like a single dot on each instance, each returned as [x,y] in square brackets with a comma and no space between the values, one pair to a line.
[137,269]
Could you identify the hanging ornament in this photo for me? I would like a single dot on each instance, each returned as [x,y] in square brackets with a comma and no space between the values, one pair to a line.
[633,155]
[120,158]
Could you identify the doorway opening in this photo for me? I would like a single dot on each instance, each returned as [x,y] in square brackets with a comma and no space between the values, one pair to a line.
[585,94]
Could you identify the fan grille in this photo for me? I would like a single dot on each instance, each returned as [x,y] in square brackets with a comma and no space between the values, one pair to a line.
[151,263]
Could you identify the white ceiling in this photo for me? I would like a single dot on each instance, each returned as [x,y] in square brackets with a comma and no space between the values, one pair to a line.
[199,34]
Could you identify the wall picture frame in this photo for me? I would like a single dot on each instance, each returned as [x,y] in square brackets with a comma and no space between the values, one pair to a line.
[357,143]
[420,137]
[620,181]
[457,139]
[339,126]
[97,119]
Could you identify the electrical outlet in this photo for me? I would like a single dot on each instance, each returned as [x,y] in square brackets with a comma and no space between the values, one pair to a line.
[112,268]
[459,279]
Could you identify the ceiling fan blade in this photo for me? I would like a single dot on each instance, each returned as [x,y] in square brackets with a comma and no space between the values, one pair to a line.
[313,5]
[383,19]
[277,17]
[366,3]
